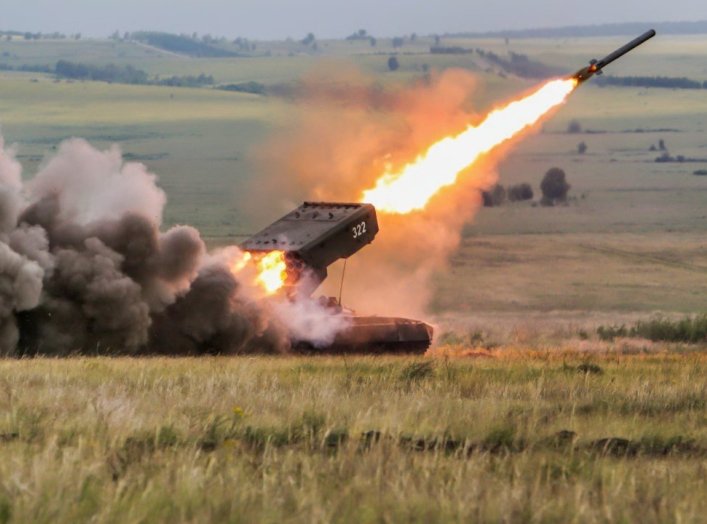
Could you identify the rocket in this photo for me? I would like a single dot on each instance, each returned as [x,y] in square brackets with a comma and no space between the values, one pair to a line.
[595,66]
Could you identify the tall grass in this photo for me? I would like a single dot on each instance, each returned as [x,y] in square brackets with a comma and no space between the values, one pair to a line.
[691,329]
[520,437]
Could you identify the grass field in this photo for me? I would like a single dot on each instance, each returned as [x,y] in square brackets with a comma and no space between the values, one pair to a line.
[521,436]
[532,418]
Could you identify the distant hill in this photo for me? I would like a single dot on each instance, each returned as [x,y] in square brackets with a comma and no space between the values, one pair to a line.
[629,28]
[180,44]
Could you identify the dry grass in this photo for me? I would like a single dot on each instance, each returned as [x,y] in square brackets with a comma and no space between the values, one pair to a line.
[355,439]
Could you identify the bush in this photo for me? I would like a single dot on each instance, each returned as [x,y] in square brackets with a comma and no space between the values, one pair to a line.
[688,329]
[494,197]
[581,148]
[554,186]
[393,63]
[255,88]
[520,192]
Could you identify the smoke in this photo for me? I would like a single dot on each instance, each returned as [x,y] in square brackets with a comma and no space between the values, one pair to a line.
[311,322]
[347,131]
[84,267]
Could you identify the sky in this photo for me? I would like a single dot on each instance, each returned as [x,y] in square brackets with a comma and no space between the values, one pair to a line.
[266,19]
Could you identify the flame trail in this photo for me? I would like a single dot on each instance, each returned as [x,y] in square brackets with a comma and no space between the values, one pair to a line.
[416,183]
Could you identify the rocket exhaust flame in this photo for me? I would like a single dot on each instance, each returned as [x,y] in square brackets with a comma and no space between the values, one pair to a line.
[270,269]
[272,272]
[411,188]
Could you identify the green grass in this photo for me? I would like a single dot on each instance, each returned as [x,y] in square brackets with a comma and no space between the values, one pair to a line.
[364,439]
[517,434]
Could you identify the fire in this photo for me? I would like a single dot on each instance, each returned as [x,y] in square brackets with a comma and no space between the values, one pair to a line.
[412,187]
[272,272]
[268,271]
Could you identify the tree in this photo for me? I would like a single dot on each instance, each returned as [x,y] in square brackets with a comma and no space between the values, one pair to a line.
[574,127]
[398,41]
[496,196]
[520,192]
[393,63]
[554,186]
[581,148]
[309,39]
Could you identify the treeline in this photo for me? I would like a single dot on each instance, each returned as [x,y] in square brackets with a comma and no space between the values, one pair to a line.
[651,81]
[554,188]
[450,50]
[126,75]
[111,73]
[28,35]
[498,194]
[26,68]
[102,73]
[183,44]
[255,88]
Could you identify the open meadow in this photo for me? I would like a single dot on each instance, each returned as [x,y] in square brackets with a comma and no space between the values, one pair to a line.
[521,413]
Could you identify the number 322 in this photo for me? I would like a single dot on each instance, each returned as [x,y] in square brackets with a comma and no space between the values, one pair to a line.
[359,229]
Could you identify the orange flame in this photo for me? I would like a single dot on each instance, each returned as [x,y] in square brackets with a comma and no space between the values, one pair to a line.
[272,272]
[416,183]
[269,271]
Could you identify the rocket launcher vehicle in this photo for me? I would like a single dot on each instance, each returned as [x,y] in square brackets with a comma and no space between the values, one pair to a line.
[595,66]
[314,236]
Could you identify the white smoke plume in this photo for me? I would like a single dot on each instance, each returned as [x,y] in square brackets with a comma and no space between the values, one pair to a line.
[310,321]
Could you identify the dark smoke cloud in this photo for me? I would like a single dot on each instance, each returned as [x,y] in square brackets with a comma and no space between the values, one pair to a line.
[84,267]
[214,315]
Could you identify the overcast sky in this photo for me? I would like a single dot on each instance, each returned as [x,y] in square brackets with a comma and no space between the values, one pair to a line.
[330,18]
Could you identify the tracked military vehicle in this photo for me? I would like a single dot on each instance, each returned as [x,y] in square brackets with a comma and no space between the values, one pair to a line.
[314,236]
